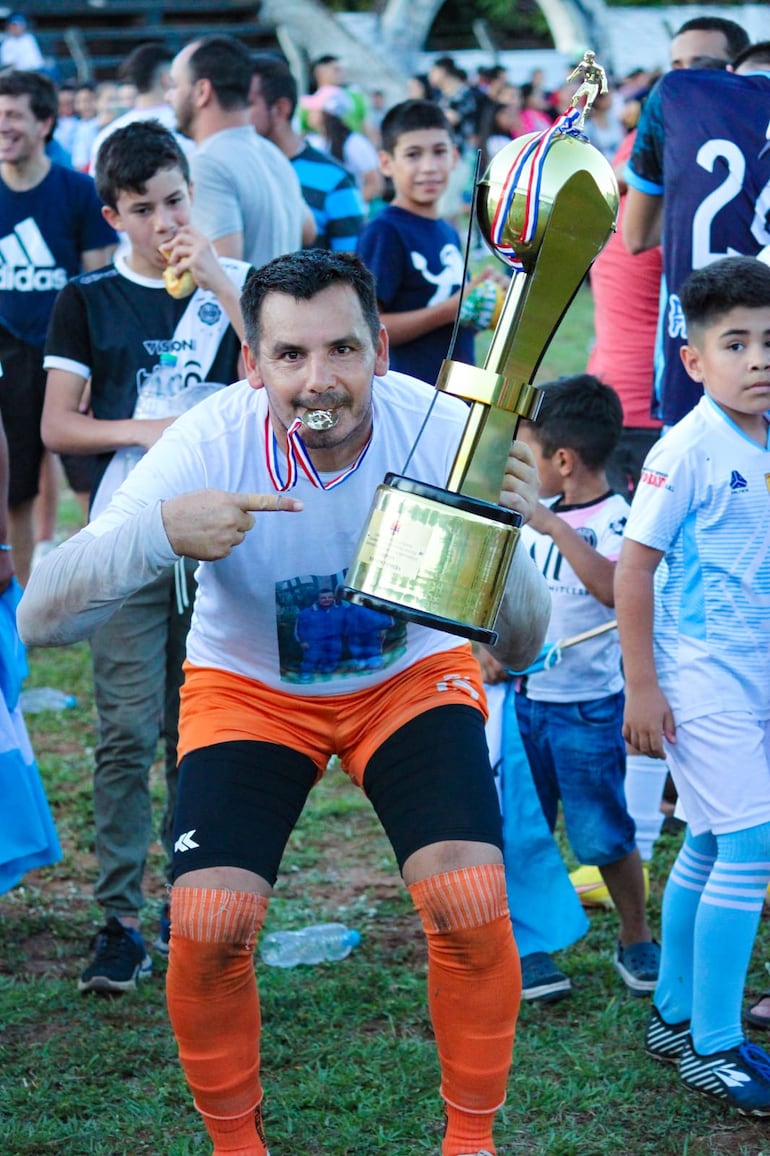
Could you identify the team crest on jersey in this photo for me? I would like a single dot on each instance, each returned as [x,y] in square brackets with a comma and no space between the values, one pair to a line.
[588,535]
[653,478]
[209,313]
[767,482]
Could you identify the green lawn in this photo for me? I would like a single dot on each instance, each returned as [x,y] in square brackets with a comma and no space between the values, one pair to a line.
[349,1063]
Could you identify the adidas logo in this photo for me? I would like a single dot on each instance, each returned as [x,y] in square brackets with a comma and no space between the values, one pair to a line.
[186,842]
[26,263]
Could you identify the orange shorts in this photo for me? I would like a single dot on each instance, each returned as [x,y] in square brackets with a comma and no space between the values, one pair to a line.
[220,707]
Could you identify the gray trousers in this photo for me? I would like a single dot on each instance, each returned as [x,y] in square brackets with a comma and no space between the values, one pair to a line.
[137,667]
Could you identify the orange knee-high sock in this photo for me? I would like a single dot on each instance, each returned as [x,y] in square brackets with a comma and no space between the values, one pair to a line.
[212,997]
[474,991]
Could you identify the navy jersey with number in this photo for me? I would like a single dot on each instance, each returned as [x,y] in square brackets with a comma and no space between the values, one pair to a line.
[703,142]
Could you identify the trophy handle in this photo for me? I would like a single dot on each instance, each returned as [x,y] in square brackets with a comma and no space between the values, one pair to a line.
[579,224]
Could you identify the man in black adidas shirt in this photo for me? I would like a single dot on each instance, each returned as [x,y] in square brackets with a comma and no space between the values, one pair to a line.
[121,328]
[51,228]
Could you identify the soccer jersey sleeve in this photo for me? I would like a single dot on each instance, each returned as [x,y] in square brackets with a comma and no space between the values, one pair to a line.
[665,495]
[644,170]
[68,344]
[381,250]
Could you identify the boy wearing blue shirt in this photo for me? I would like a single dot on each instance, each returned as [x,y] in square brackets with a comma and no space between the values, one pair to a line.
[415,256]
[695,649]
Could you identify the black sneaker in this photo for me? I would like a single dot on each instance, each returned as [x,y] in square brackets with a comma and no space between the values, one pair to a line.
[161,941]
[541,979]
[665,1041]
[637,965]
[739,1077]
[121,958]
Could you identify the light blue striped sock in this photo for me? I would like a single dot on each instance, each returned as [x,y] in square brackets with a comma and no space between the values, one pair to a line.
[725,929]
[689,875]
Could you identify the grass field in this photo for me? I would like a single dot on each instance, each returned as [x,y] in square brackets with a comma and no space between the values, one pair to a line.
[349,1063]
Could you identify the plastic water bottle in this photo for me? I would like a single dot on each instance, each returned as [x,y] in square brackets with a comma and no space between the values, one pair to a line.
[321,943]
[38,698]
[155,390]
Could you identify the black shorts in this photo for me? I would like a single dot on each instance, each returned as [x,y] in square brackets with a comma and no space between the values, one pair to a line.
[22,390]
[80,471]
[430,782]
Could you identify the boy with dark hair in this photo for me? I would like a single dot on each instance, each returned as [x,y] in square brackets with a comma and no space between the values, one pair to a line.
[697,667]
[570,717]
[123,330]
[417,257]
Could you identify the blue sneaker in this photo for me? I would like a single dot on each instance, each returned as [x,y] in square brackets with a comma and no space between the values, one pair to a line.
[541,979]
[664,1041]
[739,1077]
[120,960]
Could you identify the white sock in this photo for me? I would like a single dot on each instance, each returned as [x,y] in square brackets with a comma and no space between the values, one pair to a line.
[645,780]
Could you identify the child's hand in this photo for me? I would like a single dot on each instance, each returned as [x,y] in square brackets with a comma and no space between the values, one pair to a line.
[520,482]
[647,721]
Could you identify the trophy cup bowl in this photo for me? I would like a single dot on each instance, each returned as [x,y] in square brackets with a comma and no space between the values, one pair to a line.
[441,557]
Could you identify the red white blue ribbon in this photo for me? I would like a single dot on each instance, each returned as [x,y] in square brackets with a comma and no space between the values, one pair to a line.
[297,459]
[536,150]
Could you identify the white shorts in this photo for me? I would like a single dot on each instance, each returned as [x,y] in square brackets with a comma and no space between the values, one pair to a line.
[721,767]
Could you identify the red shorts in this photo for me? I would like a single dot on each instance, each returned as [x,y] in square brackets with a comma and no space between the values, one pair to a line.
[220,707]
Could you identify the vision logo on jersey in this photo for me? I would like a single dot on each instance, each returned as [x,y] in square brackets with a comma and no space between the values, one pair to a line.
[653,478]
[737,481]
[26,263]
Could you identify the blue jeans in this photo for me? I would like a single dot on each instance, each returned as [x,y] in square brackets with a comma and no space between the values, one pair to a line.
[137,661]
[577,755]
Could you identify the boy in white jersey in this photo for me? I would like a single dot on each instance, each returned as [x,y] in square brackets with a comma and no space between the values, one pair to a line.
[570,717]
[695,649]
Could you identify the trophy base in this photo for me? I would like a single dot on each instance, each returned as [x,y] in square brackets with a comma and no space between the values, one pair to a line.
[420,617]
[435,557]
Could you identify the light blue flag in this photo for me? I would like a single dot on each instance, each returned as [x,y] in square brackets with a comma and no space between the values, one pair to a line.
[545,909]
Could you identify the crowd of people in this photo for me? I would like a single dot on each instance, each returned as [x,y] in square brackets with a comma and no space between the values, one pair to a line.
[224,303]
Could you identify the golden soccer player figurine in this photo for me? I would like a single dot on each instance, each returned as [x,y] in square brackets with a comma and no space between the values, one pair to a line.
[594,82]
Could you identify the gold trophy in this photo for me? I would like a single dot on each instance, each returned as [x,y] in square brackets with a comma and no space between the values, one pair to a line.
[546,205]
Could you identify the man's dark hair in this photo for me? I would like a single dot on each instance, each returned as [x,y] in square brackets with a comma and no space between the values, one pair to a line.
[303,275]
[731,283]
[757,55]
[275,79]
[582,414]
[143,66]
[131,156]
[737,38]
[41,90]
[227,65]
[411,116]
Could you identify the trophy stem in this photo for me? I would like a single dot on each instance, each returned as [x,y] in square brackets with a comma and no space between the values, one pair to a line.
[579,225]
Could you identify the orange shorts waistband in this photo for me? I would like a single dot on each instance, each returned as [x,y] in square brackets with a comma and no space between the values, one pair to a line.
[218,706]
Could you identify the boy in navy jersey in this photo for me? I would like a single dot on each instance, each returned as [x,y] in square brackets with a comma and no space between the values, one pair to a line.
[416,257]
[119,327]
[697,664]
